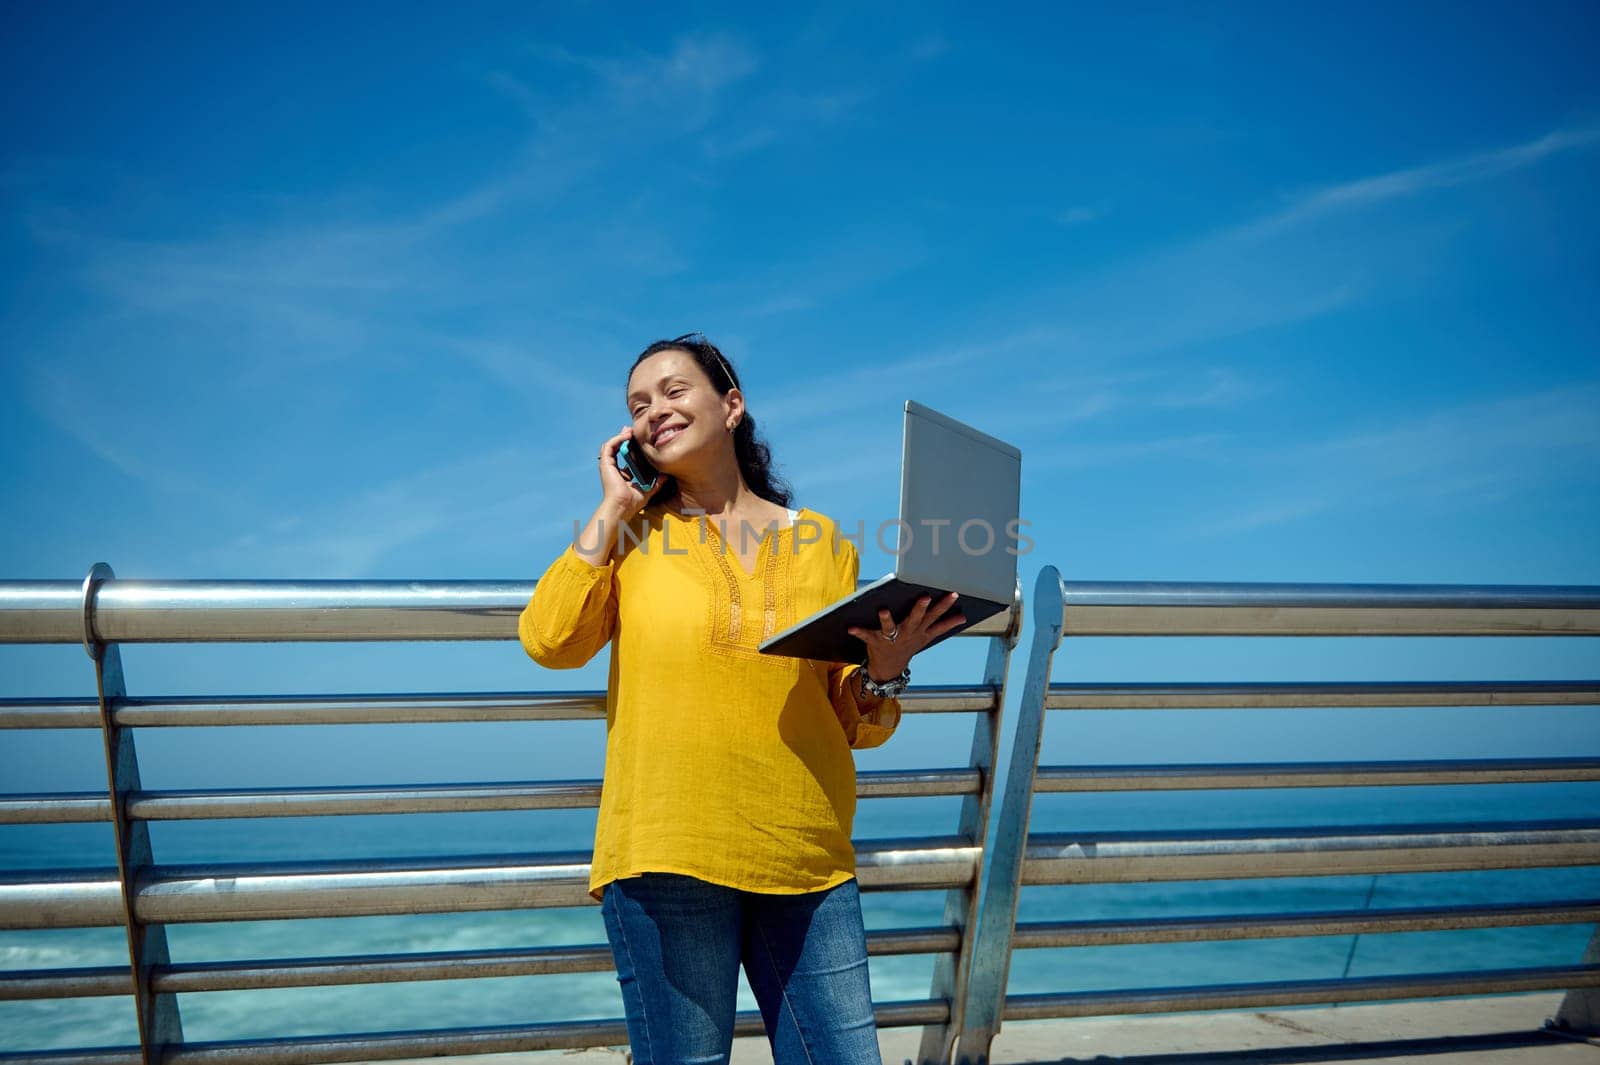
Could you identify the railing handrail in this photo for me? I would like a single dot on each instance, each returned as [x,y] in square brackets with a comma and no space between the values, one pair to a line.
[348,799]
[196,611]
[1348,594]
[354,887]
[1342,774]
[1194,608]
[185,711]
[325,971]
[1166,695]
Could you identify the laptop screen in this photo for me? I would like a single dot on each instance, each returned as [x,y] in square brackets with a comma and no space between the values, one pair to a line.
[960,491]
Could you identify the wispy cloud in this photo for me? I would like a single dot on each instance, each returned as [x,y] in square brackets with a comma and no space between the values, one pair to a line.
[1081,214]
[852,261]
[782,117]
[98,421]
[696,66]
[489,502]
[549,380]
[1263,273]
[1414,181]
[938,370]
[927,48]
[1276,512]
[1500,435]
[631,103]
[1091,454]
[739,143]
[1461,456]
[1121,342]
[1181,386]
[1141,313]
[1219,387]
[321,283]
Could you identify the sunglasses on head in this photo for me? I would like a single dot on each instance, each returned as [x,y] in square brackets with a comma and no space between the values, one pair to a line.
[701,339]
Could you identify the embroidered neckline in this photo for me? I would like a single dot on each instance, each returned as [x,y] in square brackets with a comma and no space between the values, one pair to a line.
[729,608]
[712,540]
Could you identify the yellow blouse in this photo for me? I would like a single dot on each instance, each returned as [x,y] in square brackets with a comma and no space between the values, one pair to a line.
[722,763]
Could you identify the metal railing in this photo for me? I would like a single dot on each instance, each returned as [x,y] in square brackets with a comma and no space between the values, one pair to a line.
[1017,858]
[972,944]
[145,897]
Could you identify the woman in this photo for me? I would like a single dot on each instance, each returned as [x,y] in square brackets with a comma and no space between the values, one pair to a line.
[724,828]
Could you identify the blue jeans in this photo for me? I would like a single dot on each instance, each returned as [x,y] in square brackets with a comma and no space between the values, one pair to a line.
[678,943]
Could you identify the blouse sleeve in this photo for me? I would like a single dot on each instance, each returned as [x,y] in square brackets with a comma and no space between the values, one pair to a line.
[867,721]
[572,614]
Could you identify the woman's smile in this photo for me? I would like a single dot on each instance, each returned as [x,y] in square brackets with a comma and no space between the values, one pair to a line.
[668,433]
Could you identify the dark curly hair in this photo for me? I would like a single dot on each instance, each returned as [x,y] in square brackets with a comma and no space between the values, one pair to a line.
[755,458]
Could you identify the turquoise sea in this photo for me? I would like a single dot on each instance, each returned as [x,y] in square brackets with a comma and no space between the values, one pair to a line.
[313,1011]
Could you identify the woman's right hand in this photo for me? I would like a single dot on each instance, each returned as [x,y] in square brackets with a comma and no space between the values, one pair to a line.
[616,489]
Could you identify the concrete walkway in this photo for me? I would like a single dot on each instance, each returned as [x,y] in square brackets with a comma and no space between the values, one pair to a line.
[1504,1030]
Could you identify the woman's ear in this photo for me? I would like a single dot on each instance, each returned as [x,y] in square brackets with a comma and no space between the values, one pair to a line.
[735,401]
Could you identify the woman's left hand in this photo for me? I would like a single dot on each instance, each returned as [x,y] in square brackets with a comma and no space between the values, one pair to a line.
[890,647]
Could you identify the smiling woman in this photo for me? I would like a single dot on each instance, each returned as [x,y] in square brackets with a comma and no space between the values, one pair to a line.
[688,374]
[729,793]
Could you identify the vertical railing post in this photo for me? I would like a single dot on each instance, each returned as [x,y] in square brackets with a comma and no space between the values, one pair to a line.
[997,909]
[1580,1008]
[950,971]
[159,1024]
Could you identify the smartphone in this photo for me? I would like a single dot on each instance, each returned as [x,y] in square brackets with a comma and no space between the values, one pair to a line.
[631,461]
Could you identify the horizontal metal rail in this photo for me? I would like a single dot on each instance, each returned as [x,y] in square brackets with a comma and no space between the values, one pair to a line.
[385,968]
[127,611]
[203,804]
[49,713]
[1313,774]
[88,981]
[98,1056]
[61,898]
[523,1038]
[1210,696]
[77,898]
[364,887]
[158,611]
[451,965]
[1298,992]
[186,711]
[1113,933]
[54,808]
[191,711]
[1138,608]
[1135,857]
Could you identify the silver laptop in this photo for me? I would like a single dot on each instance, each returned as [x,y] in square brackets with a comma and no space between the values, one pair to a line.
[959,496]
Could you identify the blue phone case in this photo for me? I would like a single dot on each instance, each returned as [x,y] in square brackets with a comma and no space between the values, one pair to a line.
[626,463]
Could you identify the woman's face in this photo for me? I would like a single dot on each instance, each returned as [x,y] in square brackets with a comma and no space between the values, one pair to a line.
[676,412]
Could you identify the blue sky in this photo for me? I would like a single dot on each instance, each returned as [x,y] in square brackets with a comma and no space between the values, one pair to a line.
[1262,293]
